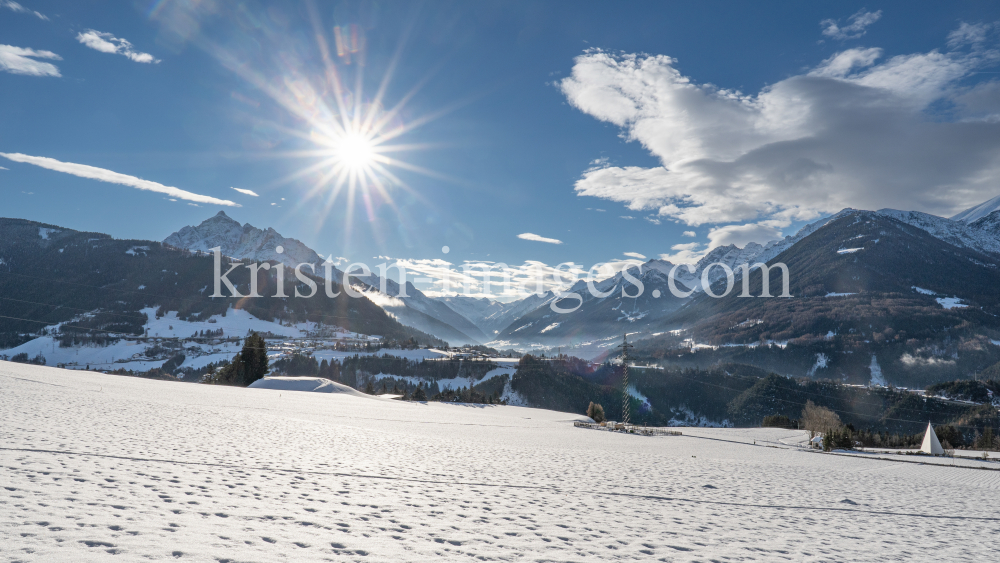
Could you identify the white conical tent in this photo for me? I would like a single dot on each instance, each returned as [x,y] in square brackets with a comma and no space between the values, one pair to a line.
[931,444]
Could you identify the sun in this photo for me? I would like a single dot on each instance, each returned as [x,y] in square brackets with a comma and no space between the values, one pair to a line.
[354,152]
[352,145]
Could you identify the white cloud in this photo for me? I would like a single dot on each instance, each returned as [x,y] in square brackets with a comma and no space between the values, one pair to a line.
[652,220]
[855,131]
[108,43]
[15,7]
[740,235]
[689,234]
[248,192]
[635,255]
[507,282]
[970,34]
[94,173]
[686,253]
[18,60]
[4,168]
[855,27]
[537,238]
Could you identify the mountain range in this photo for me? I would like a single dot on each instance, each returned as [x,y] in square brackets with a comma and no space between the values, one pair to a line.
[51,275]
[531,323]
[909,292]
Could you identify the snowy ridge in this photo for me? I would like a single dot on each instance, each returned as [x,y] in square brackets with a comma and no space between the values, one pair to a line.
[977,212]
[734,256]
[243,241]
[980,232]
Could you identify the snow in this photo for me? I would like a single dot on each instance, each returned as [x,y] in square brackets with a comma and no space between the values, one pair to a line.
[978,211]
[243,241]
[683,416]
[95,465]
[44,233]
[417,355]
[951,302]
[129,354]
[848,250]
[237,322]
[922,290]
[633,392]
[957,231]
[310,384]
[821,363]
[450,383]
[838,294]
[877,378]
[548,328]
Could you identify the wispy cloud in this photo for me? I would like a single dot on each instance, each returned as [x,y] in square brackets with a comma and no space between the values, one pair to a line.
[635,255]
[103,175]
[537,238]
[689,234]
[856,25]
[15,7]
[108,43]
[4,168]
[247,192]
[972,34]
[18,60]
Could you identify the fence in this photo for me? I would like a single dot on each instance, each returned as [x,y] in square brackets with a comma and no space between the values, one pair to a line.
[630,429]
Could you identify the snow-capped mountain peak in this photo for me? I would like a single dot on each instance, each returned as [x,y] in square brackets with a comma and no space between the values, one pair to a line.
[242,241]
[976,212]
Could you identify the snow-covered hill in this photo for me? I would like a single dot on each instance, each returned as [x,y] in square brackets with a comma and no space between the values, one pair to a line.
[99,467]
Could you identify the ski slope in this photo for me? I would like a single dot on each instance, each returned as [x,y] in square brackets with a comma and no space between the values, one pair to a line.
[108,468]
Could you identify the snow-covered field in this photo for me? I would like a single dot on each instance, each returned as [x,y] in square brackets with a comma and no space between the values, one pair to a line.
[100,468]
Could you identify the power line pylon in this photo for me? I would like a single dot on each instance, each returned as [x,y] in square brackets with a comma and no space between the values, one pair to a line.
[625,396]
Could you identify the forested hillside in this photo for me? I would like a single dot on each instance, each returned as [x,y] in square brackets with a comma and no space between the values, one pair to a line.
[50,275]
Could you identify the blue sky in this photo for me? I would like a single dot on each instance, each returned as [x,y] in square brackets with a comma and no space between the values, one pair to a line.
[706,123]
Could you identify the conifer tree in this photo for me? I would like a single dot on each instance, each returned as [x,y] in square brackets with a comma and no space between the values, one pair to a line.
[249,364]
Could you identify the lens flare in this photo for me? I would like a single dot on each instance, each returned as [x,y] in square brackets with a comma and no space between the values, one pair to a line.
[349,143]
[354,152]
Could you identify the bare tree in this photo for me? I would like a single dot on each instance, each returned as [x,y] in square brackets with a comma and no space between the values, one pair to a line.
[819,419]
